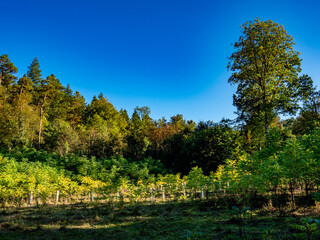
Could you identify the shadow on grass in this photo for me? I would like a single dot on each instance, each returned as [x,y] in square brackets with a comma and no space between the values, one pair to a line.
[170,220]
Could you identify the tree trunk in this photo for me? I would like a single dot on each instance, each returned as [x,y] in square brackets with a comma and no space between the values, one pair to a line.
[292,195]
[41,117]
[266,122]
[21,89]
[265,111]
[40,126]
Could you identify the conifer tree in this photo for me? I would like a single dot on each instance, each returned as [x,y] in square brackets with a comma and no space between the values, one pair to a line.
[7,69]
[24,85]
[48,89]
[34,72]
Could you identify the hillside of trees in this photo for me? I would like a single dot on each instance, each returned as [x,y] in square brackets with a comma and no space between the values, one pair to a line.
[38,112]
[101,171]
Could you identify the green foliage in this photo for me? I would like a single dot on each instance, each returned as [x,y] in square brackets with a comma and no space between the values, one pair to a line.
[34,72]
[195,234]
[307,228]
[18,179]
[97,141]
[265,69]
[239,215]
[57,134]
[267,235]
[316,196]
[210,147]
[7,71]
[110,169]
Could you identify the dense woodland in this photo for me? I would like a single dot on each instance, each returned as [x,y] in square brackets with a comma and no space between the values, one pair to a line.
[45,126]
[40,113]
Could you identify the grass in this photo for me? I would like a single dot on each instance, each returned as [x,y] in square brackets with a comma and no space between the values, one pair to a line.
[170,220]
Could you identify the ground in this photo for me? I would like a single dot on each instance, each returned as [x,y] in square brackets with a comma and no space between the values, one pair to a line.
[201,219]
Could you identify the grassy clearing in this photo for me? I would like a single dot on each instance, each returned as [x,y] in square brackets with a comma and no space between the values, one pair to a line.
[174,220]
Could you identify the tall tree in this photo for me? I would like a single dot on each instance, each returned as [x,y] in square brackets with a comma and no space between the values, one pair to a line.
[47,91]
[137,139]
[34,72]
[265,70]
[124,114]
[312,102]
[24,85]
[178,122]
[27,116]
[77,109]
[309,118]
[7,69]
[106,128]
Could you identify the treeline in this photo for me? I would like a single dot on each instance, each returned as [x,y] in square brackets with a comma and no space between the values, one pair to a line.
[39,112]
[52,140]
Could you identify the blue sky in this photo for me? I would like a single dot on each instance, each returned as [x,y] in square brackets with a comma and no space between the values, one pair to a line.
[169,55]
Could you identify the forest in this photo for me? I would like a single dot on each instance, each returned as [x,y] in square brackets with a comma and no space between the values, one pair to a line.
[57,151]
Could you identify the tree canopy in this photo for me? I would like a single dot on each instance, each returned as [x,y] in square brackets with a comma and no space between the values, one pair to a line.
[39,112]
[265,69]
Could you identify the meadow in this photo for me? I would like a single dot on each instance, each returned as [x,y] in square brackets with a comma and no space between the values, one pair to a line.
[212,218]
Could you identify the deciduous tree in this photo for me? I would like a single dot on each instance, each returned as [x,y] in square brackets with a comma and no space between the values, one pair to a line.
[265,70]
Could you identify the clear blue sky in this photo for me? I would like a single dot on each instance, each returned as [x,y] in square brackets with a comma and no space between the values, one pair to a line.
[169,55]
